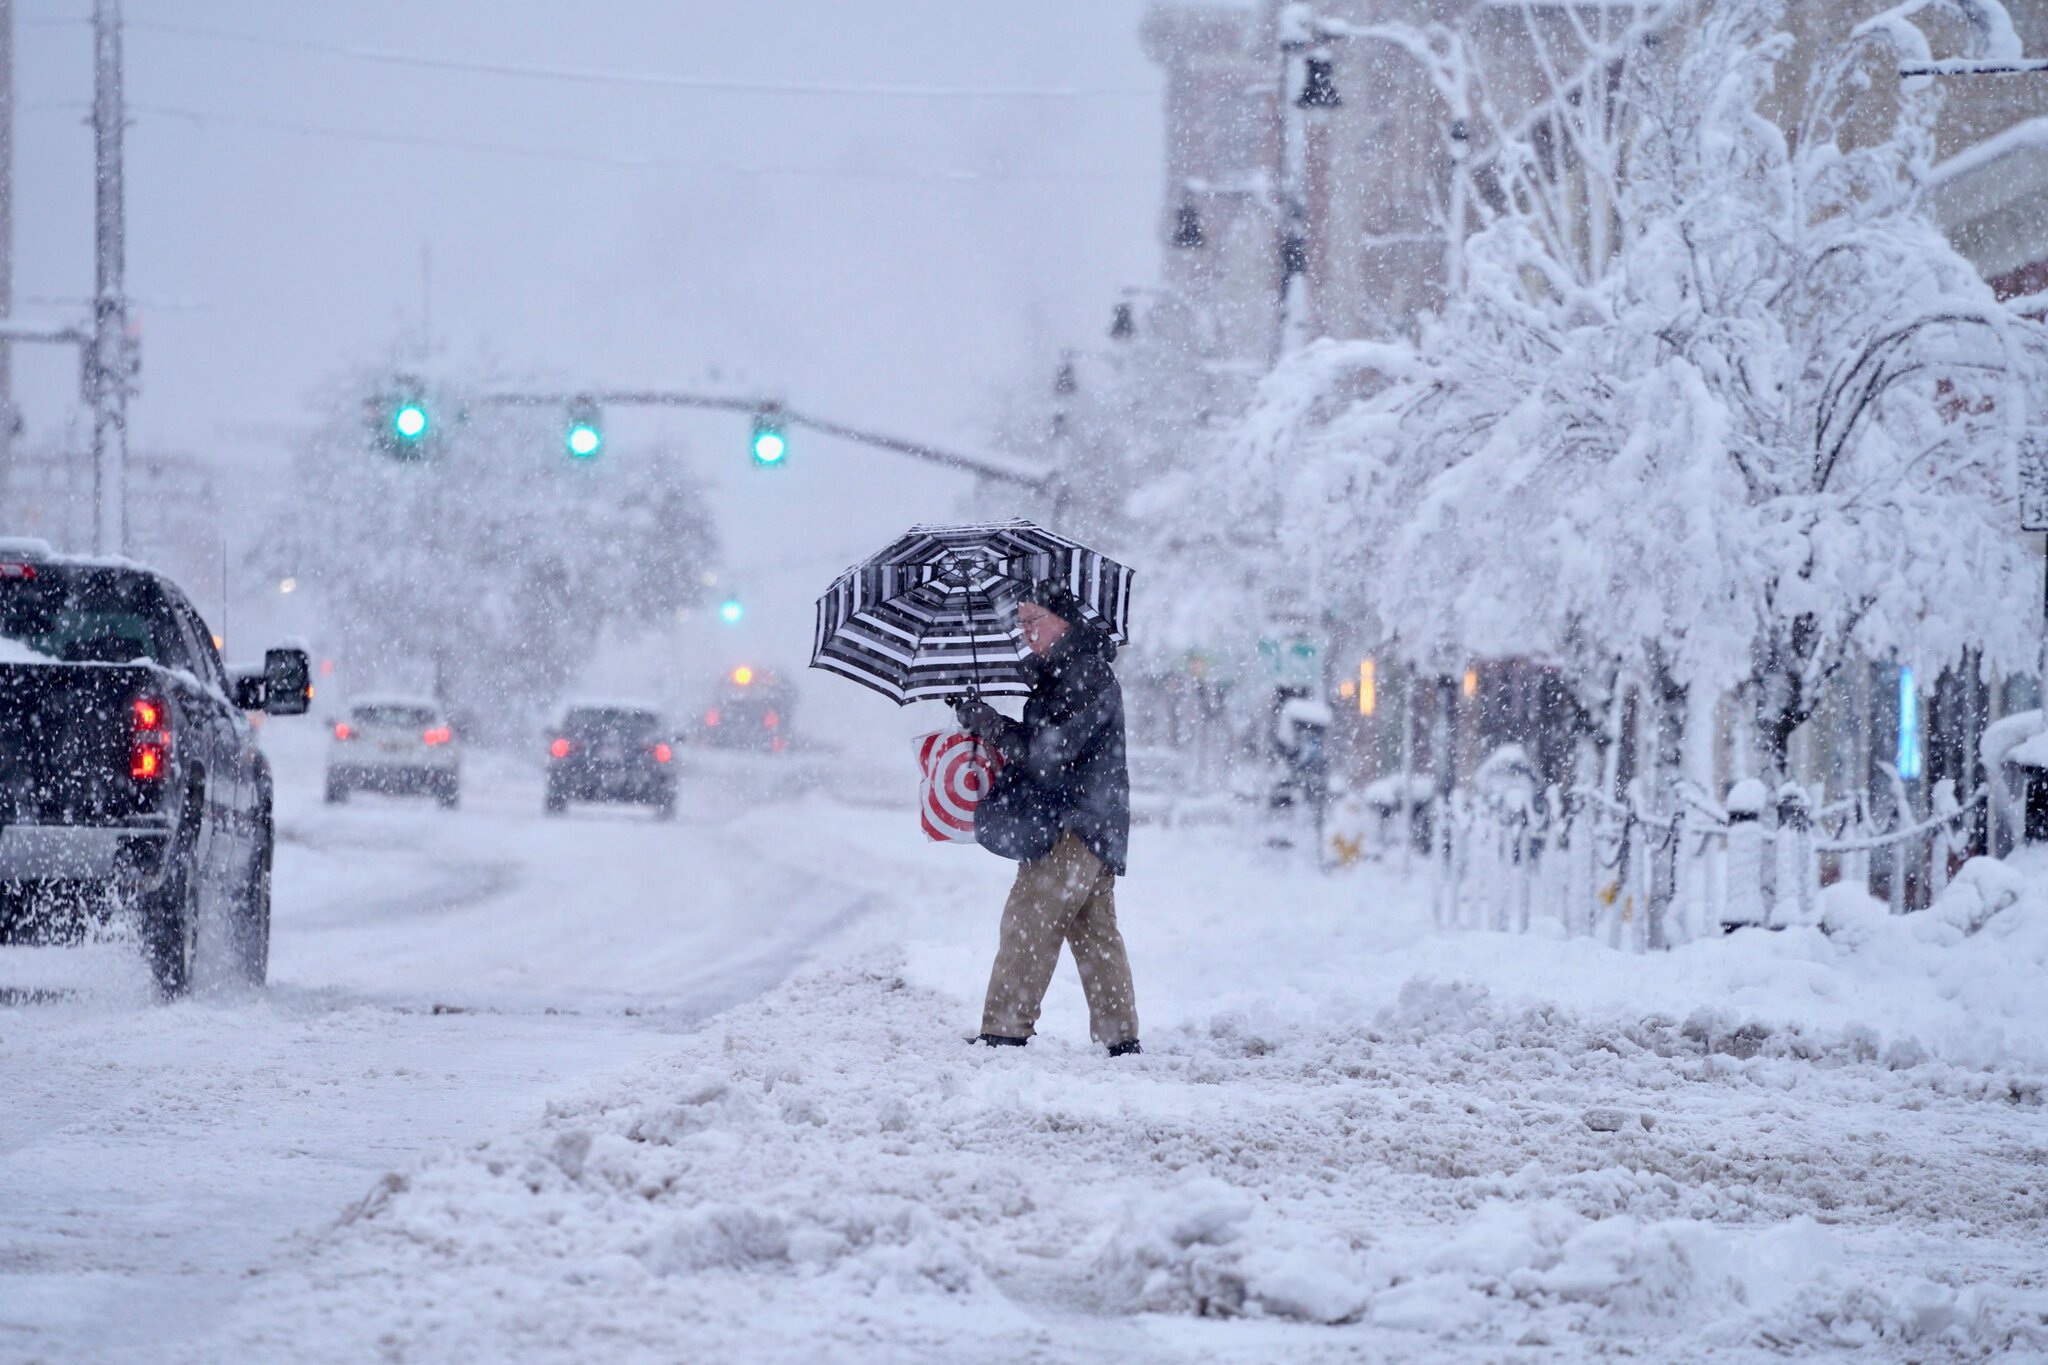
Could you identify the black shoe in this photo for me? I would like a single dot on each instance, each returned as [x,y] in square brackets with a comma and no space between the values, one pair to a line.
[1127,1048]
[998,1040]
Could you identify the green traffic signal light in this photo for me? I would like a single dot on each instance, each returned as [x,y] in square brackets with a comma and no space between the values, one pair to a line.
[410,423]
[585,436]
[401,425]
[770,445]
[730,611]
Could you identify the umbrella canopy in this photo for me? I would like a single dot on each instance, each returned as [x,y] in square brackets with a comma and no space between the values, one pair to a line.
[935,613]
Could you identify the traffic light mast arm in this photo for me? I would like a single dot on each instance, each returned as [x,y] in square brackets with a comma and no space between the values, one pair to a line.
[987,467]
[983,465]
[59,336]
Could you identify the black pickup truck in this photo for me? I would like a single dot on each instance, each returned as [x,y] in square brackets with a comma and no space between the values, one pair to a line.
[130,779]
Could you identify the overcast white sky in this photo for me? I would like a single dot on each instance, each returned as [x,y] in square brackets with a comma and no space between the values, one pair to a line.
[902,261]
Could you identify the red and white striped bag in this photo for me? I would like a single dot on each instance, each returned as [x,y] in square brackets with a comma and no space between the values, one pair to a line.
[956,769]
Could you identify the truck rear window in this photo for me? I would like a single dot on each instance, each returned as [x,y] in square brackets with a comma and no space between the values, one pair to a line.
[104,616]
[610,722]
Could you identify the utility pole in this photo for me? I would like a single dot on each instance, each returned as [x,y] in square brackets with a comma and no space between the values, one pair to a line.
[6,231]
[108,365]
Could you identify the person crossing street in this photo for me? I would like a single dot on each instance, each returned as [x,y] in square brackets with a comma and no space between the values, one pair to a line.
[1060,805]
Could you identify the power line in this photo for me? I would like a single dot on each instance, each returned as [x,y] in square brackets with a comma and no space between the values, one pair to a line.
[600,76]
[205,118]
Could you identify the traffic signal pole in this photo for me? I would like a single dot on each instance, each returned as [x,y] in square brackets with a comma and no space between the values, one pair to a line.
[982,466]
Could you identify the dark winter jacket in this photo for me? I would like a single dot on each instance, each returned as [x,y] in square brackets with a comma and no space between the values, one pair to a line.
[1063,763]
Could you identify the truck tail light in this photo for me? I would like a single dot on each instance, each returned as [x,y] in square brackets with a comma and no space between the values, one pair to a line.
[149,746]
[342,730]
[662,753]
[440,734]
[560,748]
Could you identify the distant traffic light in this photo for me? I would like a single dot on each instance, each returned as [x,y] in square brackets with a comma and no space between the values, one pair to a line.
[585,436]
[410,423]
[401,423]
[730,611]
[770,446]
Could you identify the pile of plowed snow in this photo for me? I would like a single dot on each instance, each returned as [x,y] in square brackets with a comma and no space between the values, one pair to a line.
[1424,1147]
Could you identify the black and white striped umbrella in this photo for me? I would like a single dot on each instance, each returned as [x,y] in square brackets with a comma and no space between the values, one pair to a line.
[935,614]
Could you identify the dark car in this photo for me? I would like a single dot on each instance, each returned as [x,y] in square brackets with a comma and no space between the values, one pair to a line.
[130,779]
[611,753]
[751,709]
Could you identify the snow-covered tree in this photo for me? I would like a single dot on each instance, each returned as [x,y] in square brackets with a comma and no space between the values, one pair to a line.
[490,568]
[1716,403]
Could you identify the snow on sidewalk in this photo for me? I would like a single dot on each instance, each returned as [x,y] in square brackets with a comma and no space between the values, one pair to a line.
[1349,1137]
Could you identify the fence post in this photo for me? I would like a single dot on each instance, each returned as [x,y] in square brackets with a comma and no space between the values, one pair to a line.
[1798,876]
[1856,862]
[1942,841]
[1745,874]
[1581,865]
[1902,817]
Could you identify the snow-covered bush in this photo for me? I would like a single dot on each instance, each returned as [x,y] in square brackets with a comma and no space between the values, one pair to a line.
[1717,403]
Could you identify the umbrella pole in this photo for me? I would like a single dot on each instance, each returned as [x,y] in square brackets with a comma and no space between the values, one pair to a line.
[973,649]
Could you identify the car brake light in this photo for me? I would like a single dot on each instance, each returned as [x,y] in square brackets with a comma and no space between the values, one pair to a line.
[770,719]
[560,748]
[342,731]
[21,571]
[662,753]
[149,739]
[711,718]
[440,734]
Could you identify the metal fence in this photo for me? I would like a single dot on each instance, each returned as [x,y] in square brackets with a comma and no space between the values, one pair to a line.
[1645,873]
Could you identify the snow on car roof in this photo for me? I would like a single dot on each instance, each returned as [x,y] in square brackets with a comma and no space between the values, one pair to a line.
[37,551]
[395,699]
[610,704]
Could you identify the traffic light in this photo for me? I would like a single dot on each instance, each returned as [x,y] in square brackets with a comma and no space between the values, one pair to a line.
[730,611]
[410,423]
[770,446]
[401,423]
[585,436]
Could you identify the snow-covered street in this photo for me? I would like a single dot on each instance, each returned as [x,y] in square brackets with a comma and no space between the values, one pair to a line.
[491,1109]
[436,977]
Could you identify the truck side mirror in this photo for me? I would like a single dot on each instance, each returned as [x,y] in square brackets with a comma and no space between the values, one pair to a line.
[246,687]
[287,681]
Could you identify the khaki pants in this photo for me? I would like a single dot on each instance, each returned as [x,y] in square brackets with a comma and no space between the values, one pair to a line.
[1066,895]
